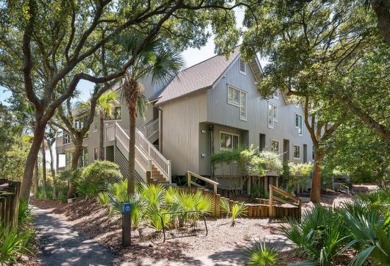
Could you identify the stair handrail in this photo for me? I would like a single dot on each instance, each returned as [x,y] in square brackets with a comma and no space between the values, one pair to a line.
[123,139]
[272,197]
[205,179]
[163,164]
[151,128]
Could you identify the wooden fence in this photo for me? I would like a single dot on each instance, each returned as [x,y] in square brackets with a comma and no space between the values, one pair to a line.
[9,202]
[264,208]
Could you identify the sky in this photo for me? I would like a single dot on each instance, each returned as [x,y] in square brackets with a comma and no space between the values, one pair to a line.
[191,57]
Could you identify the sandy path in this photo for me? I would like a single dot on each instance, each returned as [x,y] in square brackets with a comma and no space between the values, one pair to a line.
[61,244]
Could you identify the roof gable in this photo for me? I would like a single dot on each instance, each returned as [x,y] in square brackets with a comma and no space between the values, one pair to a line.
[198,77]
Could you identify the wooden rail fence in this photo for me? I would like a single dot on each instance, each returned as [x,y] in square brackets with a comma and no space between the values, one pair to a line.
[264,208]
[9,202]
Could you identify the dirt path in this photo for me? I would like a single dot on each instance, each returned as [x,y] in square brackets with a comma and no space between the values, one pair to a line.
[61,244]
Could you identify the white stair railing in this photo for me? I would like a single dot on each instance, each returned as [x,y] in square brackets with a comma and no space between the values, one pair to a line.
[146,153]
[152,128]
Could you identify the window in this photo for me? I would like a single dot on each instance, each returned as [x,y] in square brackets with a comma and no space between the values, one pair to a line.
[84,157]
[275,146]
[298,123]
[95,154]
[297,152]
[276,95]
[67,138]
[242,67]
[229,141]
[233,96]
[272,115]
[243,106]
[238,98]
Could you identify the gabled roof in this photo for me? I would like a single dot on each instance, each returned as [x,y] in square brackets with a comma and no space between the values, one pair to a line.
[198,77]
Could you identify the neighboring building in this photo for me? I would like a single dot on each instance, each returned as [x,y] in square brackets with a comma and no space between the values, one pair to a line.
[208,107]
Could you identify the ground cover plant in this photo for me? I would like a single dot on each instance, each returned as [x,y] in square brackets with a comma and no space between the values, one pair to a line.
[361,227]
[14,242]
[156,206]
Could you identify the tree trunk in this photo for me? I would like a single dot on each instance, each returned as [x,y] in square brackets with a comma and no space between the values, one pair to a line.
[32,157]
[53,172]
[78,150]
[43,163]
[131,177]
[36,178]
[315,195]
[101,138]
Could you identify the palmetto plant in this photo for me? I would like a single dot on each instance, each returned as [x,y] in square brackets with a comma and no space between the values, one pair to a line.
[13,242]
[370,233]
[261,254]
[234,211]
[319,236]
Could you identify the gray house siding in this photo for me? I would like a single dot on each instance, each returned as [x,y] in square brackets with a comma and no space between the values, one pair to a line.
[180,131]
[256,123]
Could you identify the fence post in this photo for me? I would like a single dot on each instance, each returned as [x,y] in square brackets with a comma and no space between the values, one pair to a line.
[169,172]
[217,205]
[271,213]
[188,179]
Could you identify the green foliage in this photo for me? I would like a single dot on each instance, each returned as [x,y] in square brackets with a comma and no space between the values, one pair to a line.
[298,174]
[259,191]
[234,211]
[96,177]
[103,198]
[261,254]
[362,225]
[24,215]
[250,161]
[319,236]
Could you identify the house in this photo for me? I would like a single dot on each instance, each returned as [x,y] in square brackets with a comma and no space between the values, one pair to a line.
[206,108]
[214,106]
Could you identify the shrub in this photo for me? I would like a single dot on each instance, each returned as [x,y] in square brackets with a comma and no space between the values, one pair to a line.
[319,236]
[237,210]
[96,177]
[261,254]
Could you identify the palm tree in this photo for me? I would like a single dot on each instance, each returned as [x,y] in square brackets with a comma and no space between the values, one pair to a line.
[105,107]
[159,60]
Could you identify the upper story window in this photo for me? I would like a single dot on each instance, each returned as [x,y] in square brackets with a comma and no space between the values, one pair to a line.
[299,124]
[297,152]
[242,67]
[272,115]
[116,114]
[67,138]
[229,141]
[95,124]
[275,146]
[238,98]
[276,95]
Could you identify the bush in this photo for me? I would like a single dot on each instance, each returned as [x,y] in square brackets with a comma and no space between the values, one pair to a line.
[261,254]
[96,177]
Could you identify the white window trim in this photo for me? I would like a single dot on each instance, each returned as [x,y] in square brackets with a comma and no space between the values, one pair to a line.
[239,66]
[297,127]
[227,133]
[244,118]
[240,92]
[274,119]
[295,145]
[273,140]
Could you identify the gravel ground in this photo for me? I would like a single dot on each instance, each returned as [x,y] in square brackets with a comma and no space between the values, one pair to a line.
[224,244]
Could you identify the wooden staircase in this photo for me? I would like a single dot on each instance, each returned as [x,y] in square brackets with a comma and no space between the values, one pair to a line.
[157,176]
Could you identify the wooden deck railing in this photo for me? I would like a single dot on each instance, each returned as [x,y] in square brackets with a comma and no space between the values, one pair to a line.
[290,205]
[190,183]
[9,202]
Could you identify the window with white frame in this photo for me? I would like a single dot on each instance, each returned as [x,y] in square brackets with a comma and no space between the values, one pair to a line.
[275,146]
[272,115]
[233,96]
[242,67]
[297,152]
[298,123]
[276,95]
[95,124]
[229,141]
[242,106]
[237,98]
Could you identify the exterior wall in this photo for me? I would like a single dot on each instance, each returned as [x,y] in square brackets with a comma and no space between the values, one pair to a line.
[220,112]
[180,131]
